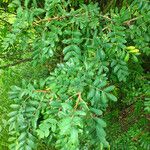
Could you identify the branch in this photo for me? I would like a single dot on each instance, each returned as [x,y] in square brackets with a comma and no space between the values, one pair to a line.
[54,18]
[64,17]
[128,22]
[78,100]
[131,20]
[16,63]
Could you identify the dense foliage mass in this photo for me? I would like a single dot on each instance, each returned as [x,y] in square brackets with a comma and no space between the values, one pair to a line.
[82,66]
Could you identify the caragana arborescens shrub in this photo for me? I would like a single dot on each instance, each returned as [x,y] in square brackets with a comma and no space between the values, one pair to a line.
[89,56]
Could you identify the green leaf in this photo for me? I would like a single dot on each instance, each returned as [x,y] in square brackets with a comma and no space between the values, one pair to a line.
[26,3]
[38,11]
[40,133]
[22,136]
[30,109]
[109,89]
[96,82]
[76,49]
[126,57]
[102,84]
[111,97]
[81,113]
[11,139]
[116,68]
[74,135]
[100,122]
[91,93]
[103,97]
[27,147]
[100,133]
[97,95]
[13,113]
[65,125]
[96,111]
[66,106]
[30,143]
[67,49]
[135,59]
[14,106]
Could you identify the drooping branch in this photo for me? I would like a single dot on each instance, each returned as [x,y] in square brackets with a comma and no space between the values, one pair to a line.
[16,63]
[64,17]
[68,16]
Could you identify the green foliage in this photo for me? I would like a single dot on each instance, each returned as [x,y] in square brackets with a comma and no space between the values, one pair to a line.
[90,60]
[129,127]
[8,78]
[147,99]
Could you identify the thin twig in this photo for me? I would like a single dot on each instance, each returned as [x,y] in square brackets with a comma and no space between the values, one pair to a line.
[78,100]
[131,20]
[63,17]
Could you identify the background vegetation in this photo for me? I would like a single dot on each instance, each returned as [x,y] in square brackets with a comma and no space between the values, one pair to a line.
[74,74]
